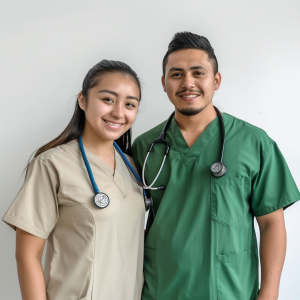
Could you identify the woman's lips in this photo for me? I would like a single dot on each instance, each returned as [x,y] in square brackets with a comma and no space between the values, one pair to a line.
[112,124]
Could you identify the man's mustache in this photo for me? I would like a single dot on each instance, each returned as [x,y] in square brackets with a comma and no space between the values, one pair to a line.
[189,91]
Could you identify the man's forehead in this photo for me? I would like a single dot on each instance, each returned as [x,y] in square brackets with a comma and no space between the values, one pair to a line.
[187,58]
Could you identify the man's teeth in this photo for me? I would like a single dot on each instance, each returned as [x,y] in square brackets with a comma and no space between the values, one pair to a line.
[113,124]
[190,96]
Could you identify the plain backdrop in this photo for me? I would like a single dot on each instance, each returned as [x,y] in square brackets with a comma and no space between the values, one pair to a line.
[47,47]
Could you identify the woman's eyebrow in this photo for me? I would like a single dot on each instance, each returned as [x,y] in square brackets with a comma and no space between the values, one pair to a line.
[109,91]
[133,98]
[117,95]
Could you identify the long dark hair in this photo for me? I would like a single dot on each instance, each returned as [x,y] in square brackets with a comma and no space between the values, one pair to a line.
[75,127]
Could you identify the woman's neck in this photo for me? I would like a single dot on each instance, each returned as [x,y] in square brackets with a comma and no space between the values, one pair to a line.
[103,148]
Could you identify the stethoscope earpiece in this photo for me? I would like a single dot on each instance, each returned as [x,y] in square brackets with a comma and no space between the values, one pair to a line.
[161,187]
[218,169]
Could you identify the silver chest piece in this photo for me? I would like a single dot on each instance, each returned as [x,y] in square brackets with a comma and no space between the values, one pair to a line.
[218,169]
[101,200]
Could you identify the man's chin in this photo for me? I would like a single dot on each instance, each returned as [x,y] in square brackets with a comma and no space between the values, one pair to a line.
[190,111]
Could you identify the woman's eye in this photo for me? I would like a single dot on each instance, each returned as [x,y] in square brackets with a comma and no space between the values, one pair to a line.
[108,99]
[130,104]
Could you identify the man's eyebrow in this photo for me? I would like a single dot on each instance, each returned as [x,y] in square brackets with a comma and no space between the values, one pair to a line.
[197,67]
[117,95]
[175,69]
[191,68]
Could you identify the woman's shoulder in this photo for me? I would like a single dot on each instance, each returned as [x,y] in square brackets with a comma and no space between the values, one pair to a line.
[59,153]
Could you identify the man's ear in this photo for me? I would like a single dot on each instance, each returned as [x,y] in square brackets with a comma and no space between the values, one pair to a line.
[81,101]
[218,79]
[163,82]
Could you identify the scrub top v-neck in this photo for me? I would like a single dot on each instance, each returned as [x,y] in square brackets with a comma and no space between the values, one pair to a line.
[201,243]
[92,253]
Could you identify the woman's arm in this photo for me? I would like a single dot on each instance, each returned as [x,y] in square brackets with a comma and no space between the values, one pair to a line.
[29,250]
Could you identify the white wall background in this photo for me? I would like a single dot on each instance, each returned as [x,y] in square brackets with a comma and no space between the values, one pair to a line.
[48,46]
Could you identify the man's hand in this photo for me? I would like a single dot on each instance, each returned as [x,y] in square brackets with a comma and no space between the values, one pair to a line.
[272,253]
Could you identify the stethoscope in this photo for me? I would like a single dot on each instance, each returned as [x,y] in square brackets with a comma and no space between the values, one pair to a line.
[218,169]
[101,200]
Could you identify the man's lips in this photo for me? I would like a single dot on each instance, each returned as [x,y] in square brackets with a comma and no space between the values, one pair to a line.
[189,96]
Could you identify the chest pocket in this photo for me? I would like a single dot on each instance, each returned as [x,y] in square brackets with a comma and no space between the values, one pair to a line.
[228,204]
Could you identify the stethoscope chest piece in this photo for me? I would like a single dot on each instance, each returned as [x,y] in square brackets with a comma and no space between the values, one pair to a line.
[218,169]
[101,200]
[148,202]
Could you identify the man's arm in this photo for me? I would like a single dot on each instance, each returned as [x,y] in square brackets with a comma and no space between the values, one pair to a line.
[272,253]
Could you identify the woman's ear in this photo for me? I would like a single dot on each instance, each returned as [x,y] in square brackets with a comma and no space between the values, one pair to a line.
[81,101]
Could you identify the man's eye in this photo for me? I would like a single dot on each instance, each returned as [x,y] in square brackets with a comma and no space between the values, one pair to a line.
[176,75]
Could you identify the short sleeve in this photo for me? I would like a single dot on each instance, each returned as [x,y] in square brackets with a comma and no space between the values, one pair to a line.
[35,208]
[273,187]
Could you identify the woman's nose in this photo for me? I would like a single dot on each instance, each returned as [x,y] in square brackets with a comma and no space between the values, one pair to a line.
[118,112]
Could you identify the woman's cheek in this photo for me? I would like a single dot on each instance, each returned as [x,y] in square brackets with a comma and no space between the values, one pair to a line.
[132,117]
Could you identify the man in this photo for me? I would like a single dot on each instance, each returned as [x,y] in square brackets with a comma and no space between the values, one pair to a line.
[200,241]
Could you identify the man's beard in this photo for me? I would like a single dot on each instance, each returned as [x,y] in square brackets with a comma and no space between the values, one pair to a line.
[190,111]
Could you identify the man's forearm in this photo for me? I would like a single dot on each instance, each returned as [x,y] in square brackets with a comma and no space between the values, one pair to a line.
[272,254]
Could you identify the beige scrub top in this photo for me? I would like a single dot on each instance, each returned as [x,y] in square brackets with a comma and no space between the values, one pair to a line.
[92,253]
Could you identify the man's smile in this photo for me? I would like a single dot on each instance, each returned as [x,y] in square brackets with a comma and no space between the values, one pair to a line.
[189,96]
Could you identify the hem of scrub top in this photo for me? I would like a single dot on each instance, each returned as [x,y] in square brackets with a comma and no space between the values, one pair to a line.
[13,222]
[283,204]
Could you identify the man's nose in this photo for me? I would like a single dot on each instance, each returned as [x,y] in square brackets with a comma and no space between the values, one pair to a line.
[188,81]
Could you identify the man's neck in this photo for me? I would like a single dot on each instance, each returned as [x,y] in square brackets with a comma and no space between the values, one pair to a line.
[192,127]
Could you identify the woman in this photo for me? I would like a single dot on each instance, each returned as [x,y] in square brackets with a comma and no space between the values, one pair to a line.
[92,253]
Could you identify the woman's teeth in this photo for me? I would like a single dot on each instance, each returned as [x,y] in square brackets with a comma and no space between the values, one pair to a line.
[112,124]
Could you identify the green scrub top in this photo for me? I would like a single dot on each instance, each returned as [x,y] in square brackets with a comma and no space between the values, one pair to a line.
[202,243]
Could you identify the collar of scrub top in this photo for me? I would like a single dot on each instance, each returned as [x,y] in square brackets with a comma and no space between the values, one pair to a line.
[147,200]
[218,169]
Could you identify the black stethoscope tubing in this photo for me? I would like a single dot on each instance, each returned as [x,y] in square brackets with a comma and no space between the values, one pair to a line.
[218,169]
[101,200]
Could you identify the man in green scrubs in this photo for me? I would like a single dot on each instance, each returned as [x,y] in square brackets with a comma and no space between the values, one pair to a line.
[201,244]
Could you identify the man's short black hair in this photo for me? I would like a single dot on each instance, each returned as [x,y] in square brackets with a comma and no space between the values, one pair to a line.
[188,40]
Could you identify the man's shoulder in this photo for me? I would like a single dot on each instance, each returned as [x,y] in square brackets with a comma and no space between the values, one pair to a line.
[147,137]
[244,131]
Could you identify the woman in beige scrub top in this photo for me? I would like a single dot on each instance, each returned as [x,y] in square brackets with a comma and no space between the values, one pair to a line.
[92,253]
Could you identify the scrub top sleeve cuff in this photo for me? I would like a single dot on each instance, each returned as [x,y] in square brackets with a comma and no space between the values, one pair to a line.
[283,204]
[14,222]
